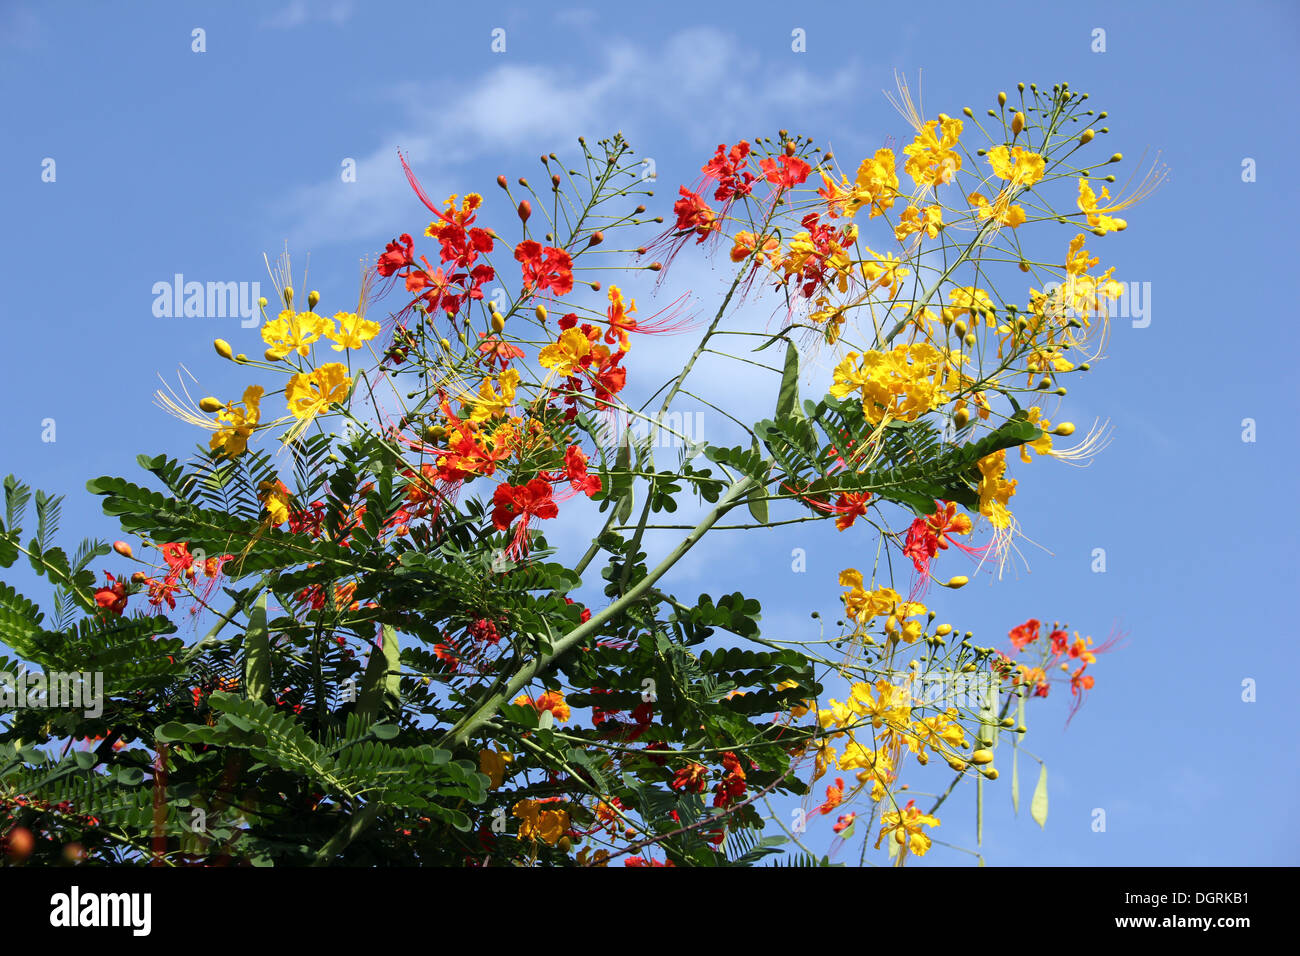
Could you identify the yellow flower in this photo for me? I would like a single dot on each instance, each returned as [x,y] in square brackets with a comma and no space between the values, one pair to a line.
[931,159]
[295,330]
[566,355]
[1097,215]
[929,221]
[1000,209]
[875,766]
[275,500]
[353,331]
[1041,445]
[1017,164]
[489,404]
[889,704]
[824,759]
[493,766]
[237,423]
[994,490]
[310,394]
[971,301]
[884,272]
[906,825]
[538,824]
[875,185]
[941,732]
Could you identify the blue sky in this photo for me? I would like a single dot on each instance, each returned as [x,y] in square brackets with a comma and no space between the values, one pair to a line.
[170,161]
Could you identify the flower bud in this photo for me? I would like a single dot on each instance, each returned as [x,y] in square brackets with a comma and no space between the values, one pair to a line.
[970,339]
[1002,99]
[1117,158]
[498,323]
[223,348]
[540,311]
[957,581]
[943,630]
[446,345]
[19,844]
[958,765]
[1086,137]
[122,548]
[261,302]
[961,417]
[138,577]
[959,328]
[1017,123]
[596,239]
[288,295]
[1065,429]
[211,404]
[981,757]
[501,181]
[313,298]
[991,773]
[966,111]
[789,148]
[1024,266]
[274,355]
[525,210]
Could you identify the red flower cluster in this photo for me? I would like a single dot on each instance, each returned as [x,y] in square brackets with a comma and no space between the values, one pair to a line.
[727,169]
[732,786]
[545,267]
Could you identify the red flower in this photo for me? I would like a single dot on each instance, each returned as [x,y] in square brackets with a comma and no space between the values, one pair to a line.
[844,822]
[834,797]
[692,778]
[791,171]
[725,168]
[112,596]
[395,257]
[1025,634]
[545,267]
[694,215]
[529,501]
[497,350]
[575,471]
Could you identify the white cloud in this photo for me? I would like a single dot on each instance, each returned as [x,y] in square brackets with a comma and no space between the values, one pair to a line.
[699,88]
[300,12]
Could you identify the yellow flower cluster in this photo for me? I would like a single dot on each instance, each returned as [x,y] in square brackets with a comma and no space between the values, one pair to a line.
[865,606]
[548,826]
[296,331]
[887,708]
[902,384]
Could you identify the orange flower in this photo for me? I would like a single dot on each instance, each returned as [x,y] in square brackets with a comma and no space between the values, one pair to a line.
[552,700]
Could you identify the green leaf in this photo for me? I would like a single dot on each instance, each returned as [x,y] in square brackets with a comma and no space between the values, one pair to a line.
[788,396]
[1038,806]
[382,681]
[257,653]
[757,502]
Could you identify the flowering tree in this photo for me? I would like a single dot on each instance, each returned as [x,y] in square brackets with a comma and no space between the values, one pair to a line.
[395,668]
